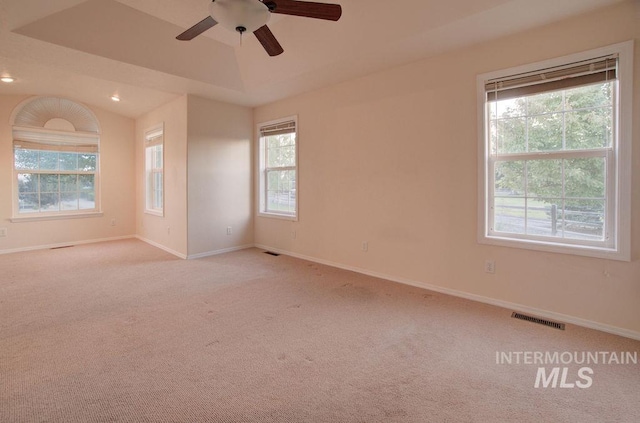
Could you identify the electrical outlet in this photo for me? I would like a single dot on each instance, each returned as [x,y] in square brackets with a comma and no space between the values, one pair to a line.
[490,266]
[113,222]
[365,246]
[229,230]
[293,234]
[168,230]
[3,232]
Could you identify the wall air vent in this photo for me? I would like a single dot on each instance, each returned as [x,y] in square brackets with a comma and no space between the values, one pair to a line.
[537,320]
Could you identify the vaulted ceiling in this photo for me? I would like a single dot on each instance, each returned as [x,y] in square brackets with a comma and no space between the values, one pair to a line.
[90,50]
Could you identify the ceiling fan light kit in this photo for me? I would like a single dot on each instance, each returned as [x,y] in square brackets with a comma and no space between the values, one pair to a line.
[239,15]
[253,15]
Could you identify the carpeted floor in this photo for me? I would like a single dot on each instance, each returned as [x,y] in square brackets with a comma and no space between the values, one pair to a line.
[124,332]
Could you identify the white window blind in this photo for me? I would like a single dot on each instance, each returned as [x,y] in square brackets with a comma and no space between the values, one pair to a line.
[586,72]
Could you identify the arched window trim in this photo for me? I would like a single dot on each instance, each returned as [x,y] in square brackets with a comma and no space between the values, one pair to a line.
[30,131]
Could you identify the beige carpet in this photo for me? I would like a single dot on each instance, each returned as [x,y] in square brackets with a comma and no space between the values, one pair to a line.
[124,332]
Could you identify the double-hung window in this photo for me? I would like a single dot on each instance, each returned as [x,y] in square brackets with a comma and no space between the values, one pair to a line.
[154,170]
[278,168]
[555,166]
[55,174]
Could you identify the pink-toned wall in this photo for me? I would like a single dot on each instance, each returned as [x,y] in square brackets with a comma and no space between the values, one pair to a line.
[219,176]
[391,159]
[207,174]
[169,231]
[117,163]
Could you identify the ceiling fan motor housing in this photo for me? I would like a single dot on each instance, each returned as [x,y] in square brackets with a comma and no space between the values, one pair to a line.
[240,15]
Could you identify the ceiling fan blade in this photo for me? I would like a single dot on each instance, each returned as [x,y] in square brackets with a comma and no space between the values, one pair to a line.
[268,41]
[197,29]
[330,12]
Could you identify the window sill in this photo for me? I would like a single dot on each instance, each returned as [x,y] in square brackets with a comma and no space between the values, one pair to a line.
[23,219]
[576,250]
[154,213]
[293,218]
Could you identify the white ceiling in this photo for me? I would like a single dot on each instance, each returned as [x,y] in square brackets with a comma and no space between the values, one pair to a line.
[89,50]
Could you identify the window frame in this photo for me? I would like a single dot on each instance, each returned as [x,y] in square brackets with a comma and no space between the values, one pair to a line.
[263,169]
[153,138]
[620,178]
[54,141]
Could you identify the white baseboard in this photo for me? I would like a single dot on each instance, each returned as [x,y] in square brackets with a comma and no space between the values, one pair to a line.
[193,256]
[64,244]
[162,247]
[216,252]
[473,297]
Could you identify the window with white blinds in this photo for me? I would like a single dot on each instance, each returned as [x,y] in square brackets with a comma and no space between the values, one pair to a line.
[278,168]
[553,167]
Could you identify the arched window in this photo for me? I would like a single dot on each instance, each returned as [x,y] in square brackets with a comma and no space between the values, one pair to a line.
[56,145]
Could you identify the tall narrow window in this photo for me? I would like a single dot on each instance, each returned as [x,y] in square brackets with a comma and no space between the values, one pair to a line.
[552,156]
[154,170]
[278,168]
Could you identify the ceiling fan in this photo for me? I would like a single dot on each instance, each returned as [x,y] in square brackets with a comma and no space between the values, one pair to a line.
[253,15]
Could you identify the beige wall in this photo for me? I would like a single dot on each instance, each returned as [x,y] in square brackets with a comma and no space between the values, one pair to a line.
[219,176]
[207,153]
[117,173]
[168,231]
[392,159]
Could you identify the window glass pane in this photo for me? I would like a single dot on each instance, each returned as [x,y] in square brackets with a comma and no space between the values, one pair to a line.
[544,178]
[157,194]
[509,178]
[545,103]
[158,200]
[68,183]
[68,161]
[588,96]
[26,159]
[49,201]
[584,219]
[158,156]
[87,162]
[509,215]
[511,135]
[281,151]
[28,203]
[87,200]
[281,191]
[69,201]
[49,183]
[28,182]
[86,182]
[585,178]
[154,175]
[48,160]
[590,128]
[502,109]
[545,132]
[542,216]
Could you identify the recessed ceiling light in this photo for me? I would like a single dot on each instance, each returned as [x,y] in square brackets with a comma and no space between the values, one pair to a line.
[115,98]
[7,79]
